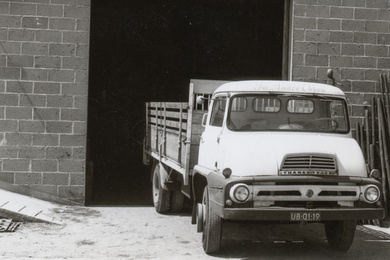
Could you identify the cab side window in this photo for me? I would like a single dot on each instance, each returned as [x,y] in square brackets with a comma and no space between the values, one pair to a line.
[218,111]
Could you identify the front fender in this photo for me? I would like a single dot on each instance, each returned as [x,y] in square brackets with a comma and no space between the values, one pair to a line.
[203,177]
[216,182]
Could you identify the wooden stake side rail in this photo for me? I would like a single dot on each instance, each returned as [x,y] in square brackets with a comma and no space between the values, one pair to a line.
[173,129]
[373,136]
[167,131]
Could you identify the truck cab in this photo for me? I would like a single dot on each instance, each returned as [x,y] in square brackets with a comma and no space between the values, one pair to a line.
[282,151]
[252,131]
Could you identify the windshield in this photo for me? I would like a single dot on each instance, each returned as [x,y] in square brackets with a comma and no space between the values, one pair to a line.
[287,113]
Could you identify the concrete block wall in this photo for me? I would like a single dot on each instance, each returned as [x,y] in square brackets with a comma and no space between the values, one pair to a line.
[44,78]
[350,36]
[43,96]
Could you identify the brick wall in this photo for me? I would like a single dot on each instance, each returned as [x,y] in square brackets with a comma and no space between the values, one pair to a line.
[44,68]
[43,95]
[350,36]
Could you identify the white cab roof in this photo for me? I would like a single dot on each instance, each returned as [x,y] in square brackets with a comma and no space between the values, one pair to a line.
[267,86]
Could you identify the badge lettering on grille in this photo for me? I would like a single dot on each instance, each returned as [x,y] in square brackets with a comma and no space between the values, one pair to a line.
[307,173]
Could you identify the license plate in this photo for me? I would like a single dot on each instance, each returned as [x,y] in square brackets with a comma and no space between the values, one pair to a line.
[305,216]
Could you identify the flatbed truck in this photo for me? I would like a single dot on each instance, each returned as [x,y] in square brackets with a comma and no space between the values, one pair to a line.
[260,151]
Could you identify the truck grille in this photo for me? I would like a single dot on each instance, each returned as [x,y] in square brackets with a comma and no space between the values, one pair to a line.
[297,195]
[309,165]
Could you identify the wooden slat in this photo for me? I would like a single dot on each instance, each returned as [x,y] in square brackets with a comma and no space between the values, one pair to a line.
[174,131]
[362,143]
[169,123]
[368,136]
[167,104]
[146,138]
[179,143]
[384,167]
[170,114]
[373,133]
[157,121]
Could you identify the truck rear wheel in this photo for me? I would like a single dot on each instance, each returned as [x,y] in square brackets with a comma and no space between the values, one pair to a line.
[177,201]
[212,226]
[340,234]
[160,195]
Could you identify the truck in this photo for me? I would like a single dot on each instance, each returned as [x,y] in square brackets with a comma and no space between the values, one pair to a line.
[261,150]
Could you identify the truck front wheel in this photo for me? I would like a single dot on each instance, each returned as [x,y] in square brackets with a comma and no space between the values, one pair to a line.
[340,234]
[212,226]
[160,195]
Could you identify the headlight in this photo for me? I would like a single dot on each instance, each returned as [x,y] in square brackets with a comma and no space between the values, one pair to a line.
[240,193]
[372,194]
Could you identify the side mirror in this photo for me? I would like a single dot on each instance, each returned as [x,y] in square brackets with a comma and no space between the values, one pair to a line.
[330,73]
[330,76]
[200,100]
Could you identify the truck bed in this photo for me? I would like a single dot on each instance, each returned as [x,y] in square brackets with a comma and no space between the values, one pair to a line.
[173,129]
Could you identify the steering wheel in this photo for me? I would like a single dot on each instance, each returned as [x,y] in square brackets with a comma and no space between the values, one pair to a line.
[334,122]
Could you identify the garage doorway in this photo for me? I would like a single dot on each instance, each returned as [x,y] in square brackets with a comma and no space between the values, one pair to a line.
[148,51]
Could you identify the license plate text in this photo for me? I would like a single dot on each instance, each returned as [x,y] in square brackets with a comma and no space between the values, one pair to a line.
[305,216]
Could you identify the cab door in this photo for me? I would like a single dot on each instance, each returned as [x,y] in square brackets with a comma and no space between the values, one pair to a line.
[209,141]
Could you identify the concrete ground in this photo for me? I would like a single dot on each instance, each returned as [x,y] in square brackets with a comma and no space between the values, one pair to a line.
[77,232]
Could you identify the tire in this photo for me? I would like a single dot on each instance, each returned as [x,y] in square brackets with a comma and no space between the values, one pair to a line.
[199,217]
[193,215]
[160,195]
[212,226]
[340,234]
[177,202]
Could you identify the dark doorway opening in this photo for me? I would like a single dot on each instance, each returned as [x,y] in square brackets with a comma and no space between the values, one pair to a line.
[148,51]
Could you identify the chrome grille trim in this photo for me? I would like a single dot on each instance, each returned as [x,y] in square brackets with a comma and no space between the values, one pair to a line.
[309,163]
[317,193]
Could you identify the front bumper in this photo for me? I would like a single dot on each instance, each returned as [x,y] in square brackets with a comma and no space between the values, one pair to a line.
[280,198]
